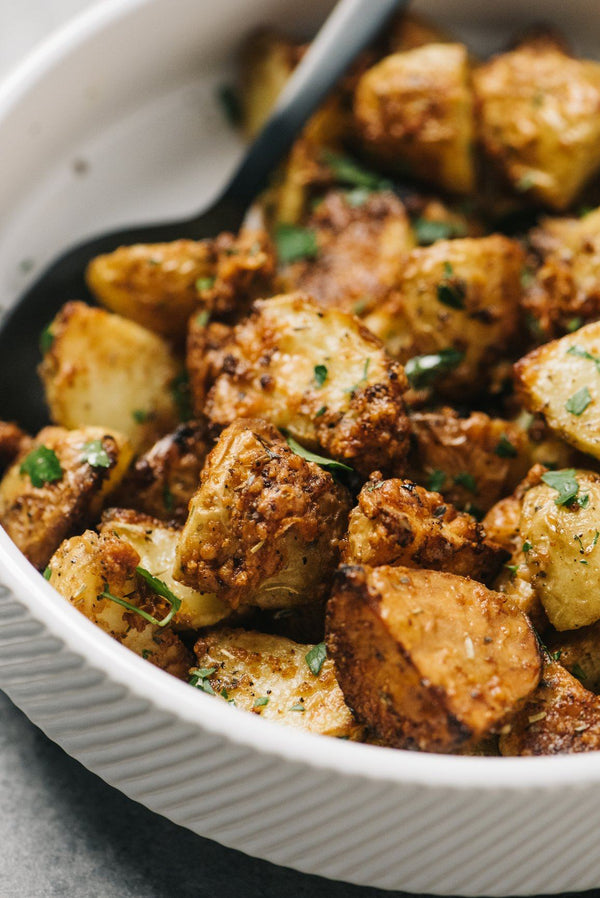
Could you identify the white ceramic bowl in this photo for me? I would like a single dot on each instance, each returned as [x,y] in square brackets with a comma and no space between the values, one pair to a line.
[113,121]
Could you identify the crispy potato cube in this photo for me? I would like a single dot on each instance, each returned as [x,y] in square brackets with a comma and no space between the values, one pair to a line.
[414,111]
[13,442]
[104,370]
[264,526]
[560,717]
[397,522]
[428,660]
[61,483]
[163,480]
[578,651]
[156,545]
[538,120]
[319,374]
[461,294]
[270,676]
[562,534]
[362,250]
[266,62]
[86,566]
[561,381]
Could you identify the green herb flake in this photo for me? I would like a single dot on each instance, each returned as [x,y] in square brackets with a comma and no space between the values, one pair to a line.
[451,294]
[504,448]
[202,318]
[583,501]
[320,374]
[42,466]
[328,464]
[199,679]
[565,484]
[298,707]
[428,232]
[513,568]
[146,654]
[47,573]
[180,390]
[203,284]
[436,480]
[224,694]
[140,416]
[46,339]
[556,655]
[578,402]
[463,478]
[474,510]
[106,594]
[525,183]
[360,306]
[315,658]
[578,672]
[96,455]
[230,104]
[294,243]
[573,324]
[421,370]
[358,196]
[168,498]
[321,411]
[527,547]
[582,353]
[527,278]
[262,701]
[348,171]
[161,589]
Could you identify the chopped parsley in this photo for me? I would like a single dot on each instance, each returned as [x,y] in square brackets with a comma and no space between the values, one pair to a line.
[168,498]
[504,448]
[262,701]
[578,402]
[321,411]
[348,171]
[360,306]
[582,353]
[180,390]
[527,278]
[199,679]
[525,183]
[358,196]
[46,339]
[427,231]
[451,291]
[328,464]
[527,547]
[159,588]
[320,374]
[294,242]
[42,466]
[140,416]
[203,284]
[230,104]
[556,655]
[298,707]
[315,658]
[436,480]
[95,454]
[47,573]
[578,672]
[573,324]
[202,318]
[421,370]
[463,478]
[513,568]
[566,485]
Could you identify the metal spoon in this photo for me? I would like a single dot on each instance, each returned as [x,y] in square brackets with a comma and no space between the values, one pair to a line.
[349,28]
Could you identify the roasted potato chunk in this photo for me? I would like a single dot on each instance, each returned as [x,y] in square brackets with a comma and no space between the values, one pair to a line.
[87,567]
[414,112]
[442,660]
[560,380]
[538,120]
[397,522]
[316,373]
[13,442]
[163,480]
[560,527]
[578,651]
[362,248]
[104,370]
[461,294]
[270,676]
[560,717]
[264,526]
[156,545]
[60,484]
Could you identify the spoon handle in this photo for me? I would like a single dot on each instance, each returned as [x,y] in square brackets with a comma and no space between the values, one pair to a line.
[350,27]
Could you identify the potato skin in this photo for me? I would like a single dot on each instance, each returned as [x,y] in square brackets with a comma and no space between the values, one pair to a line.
[104,370]
[362,250]
[442,659]
[264,526]
[538,120]
[561,717]
[37,519]
[415,110]
[397,522]
[462,293]
[265,367]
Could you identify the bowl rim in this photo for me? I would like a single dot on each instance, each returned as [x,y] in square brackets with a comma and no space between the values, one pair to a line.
[172,696]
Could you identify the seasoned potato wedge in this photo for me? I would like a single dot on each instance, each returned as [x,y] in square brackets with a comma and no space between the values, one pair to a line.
[560,717]
[561,380]
[362,247]
[319,374]
[538,120]
[270,676]
[442,659]
[13,442]
[462,294]
[264,526]
[397,522]
[163,480]
[578,651]
[156,545]
[59,484]
[414,112]
[560,525]
[104,370]
[84,567]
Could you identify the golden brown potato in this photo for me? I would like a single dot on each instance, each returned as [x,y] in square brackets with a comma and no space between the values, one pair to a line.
[60,484]
[414,111]
[428,660]
[362,247]
[270,676]
[397,522]
[13,442]
[561,381]
[319,374]
[163,480]
[461,294]
[578,651]
[560,529]
[538,120]
[160,285]
[560,717]
[85,567]
[264,526]
[105,370]
[266,62]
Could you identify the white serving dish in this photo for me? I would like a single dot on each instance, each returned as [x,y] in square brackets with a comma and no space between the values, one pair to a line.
[127,90]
